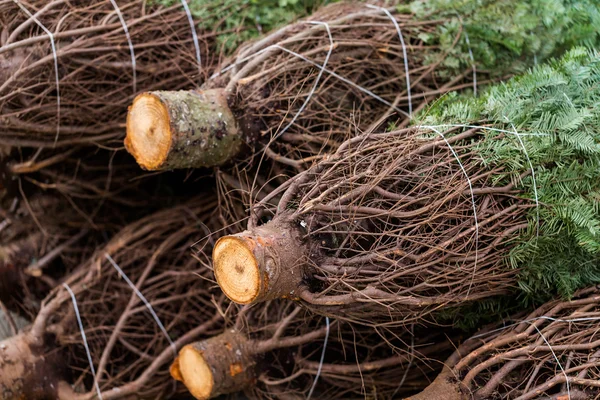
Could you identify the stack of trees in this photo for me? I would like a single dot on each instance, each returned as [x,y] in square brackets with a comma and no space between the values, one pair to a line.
[69,71]
[358,226]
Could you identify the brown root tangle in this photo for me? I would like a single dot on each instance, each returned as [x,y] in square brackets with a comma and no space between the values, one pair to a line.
[274,351]
[96,75]
[128,348]
[41,239]
[386,229]
[553,353]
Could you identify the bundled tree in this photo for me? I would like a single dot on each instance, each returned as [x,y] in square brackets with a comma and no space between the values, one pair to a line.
[302,90]
[395,225]
[278,350]
[129,347]
[551,353]
[69,69]
[53,216]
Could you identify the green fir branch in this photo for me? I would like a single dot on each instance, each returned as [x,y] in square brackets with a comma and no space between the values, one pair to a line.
[556,110]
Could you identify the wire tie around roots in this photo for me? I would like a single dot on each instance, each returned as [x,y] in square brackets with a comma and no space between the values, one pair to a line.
[312,91]
[141,297]
[319,66]
[557,361]
[321,361]
[194,35]
[535,192]
[85,343]
[472,200]
[131,51]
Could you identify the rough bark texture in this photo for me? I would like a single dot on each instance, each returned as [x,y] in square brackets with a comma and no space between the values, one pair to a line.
[230,362]
[14,258]
[444,387]
[7,179]
[27,370]
[278,256]
[182,129]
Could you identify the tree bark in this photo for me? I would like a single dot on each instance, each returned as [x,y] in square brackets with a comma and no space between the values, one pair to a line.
[182,129]
[262,264]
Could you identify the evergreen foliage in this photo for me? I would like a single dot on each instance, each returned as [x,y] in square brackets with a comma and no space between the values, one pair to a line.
[507,35]
[551,122]
[239,20]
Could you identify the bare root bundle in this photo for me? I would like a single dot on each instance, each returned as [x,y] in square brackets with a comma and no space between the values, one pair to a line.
[384,228]
[278,350]
[553,353]
[54,216]
[68,69]
[129,346]
[299,91]
[398,224]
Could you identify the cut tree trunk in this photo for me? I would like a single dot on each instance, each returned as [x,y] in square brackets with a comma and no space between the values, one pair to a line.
[184,129]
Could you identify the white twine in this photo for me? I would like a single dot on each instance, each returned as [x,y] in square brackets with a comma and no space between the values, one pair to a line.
[53,45]
[194,34]
[557,361]
[537,203]
[85,343]
[301,57]
[312,91]
[518,136]
[345,80]
[489,128]
[148,305]
[320,362]
[472,199]
[389,14]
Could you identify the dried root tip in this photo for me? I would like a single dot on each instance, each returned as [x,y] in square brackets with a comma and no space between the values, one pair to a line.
[182,129]
[26,372]
[259,265]
[220,365]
